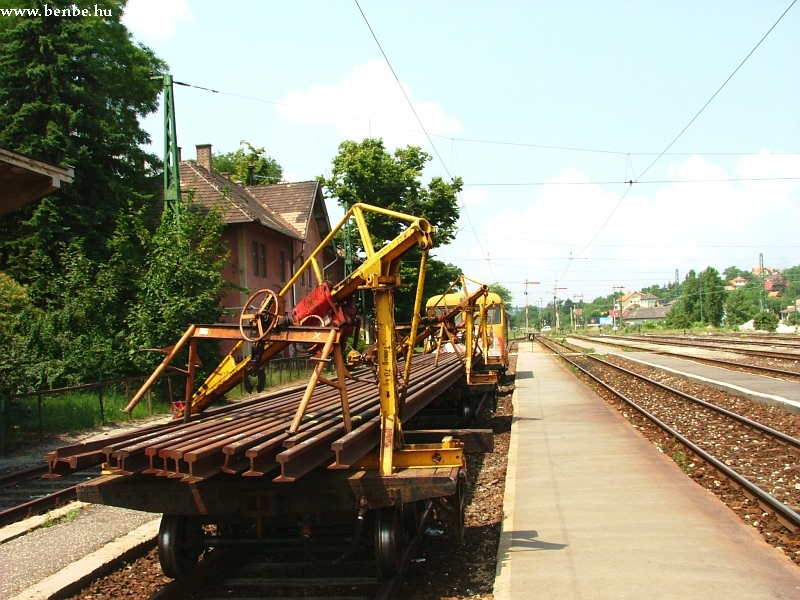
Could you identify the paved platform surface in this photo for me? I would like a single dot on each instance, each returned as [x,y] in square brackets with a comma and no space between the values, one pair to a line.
[593,510]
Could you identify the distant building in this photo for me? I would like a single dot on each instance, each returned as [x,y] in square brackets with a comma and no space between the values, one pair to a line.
[767,271]
[269,230]
[638,299]
[640,316]
[738,282]
[774,283]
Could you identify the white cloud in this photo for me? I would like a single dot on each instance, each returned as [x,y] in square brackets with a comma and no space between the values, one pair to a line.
[154,18]
[654,230]
[368,103]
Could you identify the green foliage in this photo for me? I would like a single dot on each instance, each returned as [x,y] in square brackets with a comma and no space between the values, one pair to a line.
[766,321]
[13,298]
[503,292]
[677,318]
[712,297]
[794,318]
[71,93]
[266,169]
[702,301]
[734,272]
[181,282]
[365,172]
[741,306]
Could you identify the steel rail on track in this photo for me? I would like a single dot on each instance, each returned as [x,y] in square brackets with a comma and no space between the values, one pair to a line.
[38,505]
[665,341]
[22,475]
[756,368]
[788,343]
[720,361]
[787,517]
[787,439]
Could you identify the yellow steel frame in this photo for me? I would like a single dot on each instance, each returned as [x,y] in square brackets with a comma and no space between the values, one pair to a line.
[378,272]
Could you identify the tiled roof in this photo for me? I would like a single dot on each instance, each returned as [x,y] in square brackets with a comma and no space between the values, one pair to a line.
[295,202]
[658,312]
[238,205]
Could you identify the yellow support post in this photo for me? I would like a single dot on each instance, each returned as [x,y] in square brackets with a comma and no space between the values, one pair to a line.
[412,337]
[391,433]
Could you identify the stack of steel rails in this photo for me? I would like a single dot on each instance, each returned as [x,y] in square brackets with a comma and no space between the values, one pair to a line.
[251,438]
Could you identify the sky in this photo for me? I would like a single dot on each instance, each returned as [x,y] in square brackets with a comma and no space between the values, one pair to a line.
[601,144]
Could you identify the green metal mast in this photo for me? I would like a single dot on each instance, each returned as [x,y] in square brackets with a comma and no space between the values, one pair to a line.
[172,177]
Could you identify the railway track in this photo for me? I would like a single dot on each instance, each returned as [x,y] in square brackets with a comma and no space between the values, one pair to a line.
[782,368]
[25,492]
[758,460]
[728,345]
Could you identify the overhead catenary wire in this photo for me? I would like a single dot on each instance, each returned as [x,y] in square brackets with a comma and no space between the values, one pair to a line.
[425,131]
[454,139]
[630,182]
[677,137]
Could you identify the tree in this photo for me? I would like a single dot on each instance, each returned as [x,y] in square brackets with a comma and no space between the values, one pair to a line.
[734,272]
[365,172]
[691,298]
[712,289]
[266,169]
[71,93]
[503,292]
[740,307]
[677,318]
[181,282]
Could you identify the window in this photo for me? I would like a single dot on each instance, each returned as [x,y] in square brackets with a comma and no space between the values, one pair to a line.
[282,266]
[255,259]
[263,260]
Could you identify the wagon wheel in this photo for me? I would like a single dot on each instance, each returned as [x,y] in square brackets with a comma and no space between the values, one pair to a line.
[263,319]
[180,544]
[459,504]
[391,536]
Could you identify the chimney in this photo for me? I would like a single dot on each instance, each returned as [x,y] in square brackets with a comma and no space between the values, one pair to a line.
[204,156]
[180,158]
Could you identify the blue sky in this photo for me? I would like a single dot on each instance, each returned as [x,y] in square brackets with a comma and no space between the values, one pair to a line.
[544,109]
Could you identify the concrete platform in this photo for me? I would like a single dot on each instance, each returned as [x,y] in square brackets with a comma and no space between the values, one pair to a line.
[593,510]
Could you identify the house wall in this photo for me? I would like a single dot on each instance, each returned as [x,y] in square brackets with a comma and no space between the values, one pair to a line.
[239,239]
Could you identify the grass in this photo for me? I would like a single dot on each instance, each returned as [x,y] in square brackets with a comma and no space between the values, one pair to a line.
[680,459]
[65,518]
[75,411]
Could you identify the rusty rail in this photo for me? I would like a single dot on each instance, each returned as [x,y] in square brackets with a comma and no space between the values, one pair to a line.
[253,439]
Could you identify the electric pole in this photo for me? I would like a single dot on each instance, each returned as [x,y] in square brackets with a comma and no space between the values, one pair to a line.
[527,333]
[172,176]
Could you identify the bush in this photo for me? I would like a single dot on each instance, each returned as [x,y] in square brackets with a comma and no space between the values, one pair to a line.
[766,321]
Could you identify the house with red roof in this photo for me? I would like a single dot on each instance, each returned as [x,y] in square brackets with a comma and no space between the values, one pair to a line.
[269,230]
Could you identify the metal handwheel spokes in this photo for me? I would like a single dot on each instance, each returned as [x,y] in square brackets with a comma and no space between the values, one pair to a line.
[263,318]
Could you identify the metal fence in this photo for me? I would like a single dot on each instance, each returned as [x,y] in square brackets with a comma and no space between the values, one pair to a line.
[277,371]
